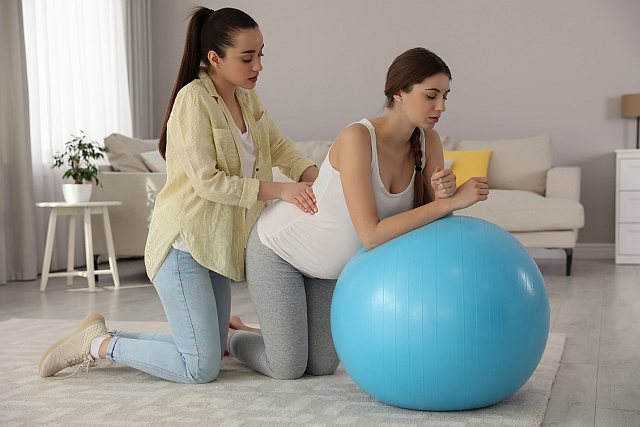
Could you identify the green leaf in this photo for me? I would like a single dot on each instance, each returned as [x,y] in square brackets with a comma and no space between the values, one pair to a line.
[78,157]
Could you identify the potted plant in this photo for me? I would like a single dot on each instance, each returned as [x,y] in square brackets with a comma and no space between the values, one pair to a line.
[78,156]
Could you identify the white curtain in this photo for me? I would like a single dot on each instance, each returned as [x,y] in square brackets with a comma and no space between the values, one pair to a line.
[17,236]
[138,40]
[77,75]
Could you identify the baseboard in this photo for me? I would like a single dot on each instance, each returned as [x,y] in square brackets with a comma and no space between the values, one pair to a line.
[594,251]
[581,251]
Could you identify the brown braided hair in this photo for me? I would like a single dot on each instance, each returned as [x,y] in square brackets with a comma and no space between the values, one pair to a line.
[408,69]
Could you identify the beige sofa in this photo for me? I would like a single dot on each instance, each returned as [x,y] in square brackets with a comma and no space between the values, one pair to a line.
[130,221]
[538,203]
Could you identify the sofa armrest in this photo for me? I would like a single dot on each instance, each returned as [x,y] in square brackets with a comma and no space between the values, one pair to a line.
[563,183]
[130,221]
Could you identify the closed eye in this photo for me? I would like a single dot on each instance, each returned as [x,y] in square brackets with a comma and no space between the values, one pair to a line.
[248,60]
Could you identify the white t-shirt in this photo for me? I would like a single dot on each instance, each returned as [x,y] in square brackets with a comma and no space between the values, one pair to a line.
[320,245]
[249,160]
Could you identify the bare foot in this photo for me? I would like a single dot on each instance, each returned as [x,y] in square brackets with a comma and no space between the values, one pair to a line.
[226,347]
[236,323]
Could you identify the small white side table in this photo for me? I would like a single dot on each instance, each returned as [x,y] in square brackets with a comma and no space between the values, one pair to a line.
[86,210]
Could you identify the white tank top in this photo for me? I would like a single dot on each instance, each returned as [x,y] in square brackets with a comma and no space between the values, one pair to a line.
[320,245]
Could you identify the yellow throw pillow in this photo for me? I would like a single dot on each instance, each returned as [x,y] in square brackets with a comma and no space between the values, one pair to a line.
[468,163]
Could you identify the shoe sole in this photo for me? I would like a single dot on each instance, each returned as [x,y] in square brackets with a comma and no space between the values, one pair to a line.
[89,320]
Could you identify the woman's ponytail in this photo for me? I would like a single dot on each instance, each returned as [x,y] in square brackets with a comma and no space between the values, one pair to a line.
[189,67]
[207,31]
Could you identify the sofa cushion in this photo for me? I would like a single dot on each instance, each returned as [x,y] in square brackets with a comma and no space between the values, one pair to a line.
[124,152]
[154,161]
[468,163]
[516,164]
[547,239]
[314,150]
[448,143]
[516,210]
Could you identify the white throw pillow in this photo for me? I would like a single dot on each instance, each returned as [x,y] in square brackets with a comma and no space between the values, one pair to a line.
[124,152]
[448,143]
[154,161]
[314,150]
[448,163]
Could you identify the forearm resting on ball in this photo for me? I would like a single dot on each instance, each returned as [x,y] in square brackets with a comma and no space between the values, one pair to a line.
[373,235]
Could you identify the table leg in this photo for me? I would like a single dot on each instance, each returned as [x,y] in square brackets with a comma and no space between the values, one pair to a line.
[88,243]
[71,251]
[48,248]
[110,249]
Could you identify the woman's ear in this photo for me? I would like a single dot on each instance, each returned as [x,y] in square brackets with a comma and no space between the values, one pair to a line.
[397,97]
[214,59]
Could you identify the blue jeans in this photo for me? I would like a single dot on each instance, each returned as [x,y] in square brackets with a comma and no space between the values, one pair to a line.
[197,303]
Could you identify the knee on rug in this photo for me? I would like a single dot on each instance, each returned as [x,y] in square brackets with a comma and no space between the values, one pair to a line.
[289,368]
[202,370]
[322,367]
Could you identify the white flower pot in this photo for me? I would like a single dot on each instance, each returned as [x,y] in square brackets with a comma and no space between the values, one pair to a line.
[76,193]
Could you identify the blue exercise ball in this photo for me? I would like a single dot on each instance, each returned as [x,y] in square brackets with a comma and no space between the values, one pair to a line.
[451,316]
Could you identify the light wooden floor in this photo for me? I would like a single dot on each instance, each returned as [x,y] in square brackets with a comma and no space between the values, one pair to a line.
[598,308]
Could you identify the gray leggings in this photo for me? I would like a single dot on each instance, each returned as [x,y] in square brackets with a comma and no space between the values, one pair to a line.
[293,311]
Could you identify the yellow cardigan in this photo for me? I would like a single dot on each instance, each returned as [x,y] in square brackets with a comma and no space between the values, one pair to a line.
[206,200]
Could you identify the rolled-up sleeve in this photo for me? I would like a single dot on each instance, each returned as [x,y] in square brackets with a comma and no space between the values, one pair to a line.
[191,134]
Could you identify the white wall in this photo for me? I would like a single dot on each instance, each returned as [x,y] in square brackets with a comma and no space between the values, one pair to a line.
[520,68]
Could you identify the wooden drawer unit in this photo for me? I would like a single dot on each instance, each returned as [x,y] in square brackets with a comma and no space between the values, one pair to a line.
[627,206]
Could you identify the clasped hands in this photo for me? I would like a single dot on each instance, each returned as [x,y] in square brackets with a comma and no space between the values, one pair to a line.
[474,190]
[443,182]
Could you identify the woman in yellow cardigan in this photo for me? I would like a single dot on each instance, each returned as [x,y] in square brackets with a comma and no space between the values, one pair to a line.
[220,145]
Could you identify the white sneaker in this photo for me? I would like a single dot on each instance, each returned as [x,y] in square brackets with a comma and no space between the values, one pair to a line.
[73,349]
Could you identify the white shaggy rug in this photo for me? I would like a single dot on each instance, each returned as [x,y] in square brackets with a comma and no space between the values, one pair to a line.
[120,396]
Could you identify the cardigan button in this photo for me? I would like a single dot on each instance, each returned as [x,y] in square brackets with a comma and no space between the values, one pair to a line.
[257,169]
